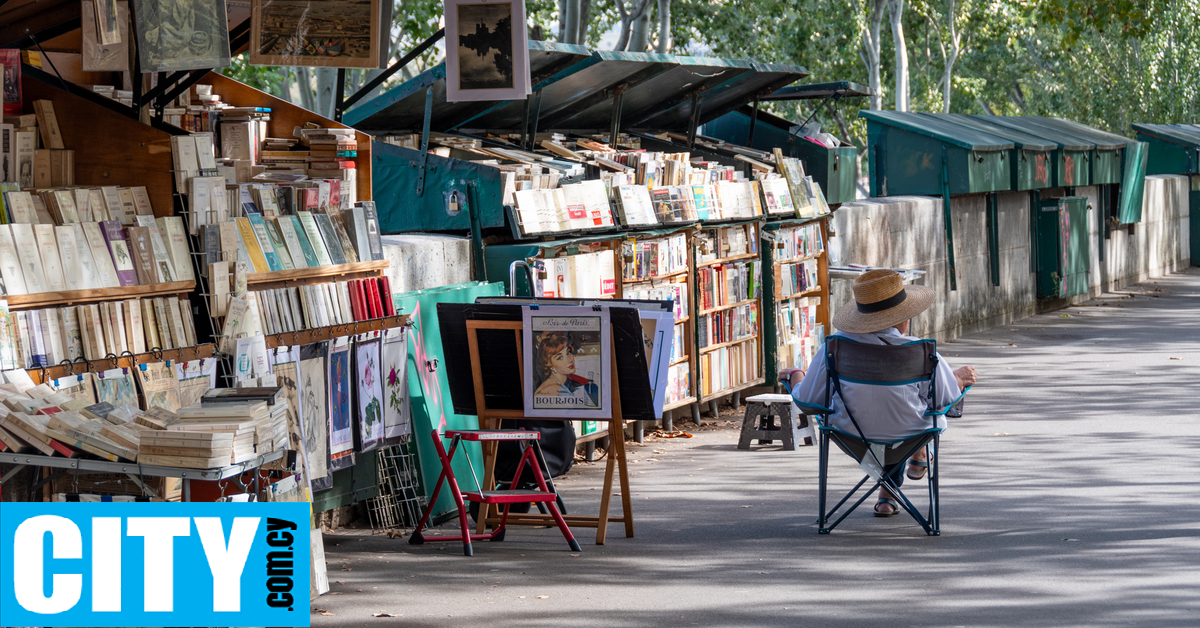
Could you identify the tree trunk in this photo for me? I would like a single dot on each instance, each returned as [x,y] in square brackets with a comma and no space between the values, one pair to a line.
[664,26]
[639,31]
[951,56]
[585,10]
[326,88]
[896,16]
[871,51]
[571,29]
[304,80]
[562,21]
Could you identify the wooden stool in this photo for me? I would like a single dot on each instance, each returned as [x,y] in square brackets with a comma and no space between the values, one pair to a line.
[761,414]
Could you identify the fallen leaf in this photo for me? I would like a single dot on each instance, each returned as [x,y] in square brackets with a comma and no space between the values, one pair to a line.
[383,615]
[747,506]
[520,597]
[1066,316]
[542,597]
[574,555]
[1176,358]
[1000,434]
[341,582]
[327,613]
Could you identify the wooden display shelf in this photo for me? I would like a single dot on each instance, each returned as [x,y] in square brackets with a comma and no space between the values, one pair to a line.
[797,260]
[727,260]
[685,358]
[73,297]
[732,389]
[682,319]
[711,348]
[815,290]
[185,354]
[679,404]
[317,334]
[678,273]
[316,274]
[730,306]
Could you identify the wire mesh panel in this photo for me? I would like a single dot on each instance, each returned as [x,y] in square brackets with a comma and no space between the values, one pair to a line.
[400,501]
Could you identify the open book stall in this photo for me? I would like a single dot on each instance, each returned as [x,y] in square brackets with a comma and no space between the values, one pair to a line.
[601,170]
[178,235]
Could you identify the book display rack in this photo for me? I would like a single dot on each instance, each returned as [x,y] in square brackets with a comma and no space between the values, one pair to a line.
[796,313]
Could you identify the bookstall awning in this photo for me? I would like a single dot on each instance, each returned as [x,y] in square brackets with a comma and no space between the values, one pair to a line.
[1181,134]
[940,130]
[1065,140]
[817,91]
[1020,139]
[580,90]
[402,108]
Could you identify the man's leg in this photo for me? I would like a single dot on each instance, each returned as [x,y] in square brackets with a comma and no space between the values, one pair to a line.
[895,473]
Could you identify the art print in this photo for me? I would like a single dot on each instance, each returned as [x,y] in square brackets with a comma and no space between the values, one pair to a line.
[97,54]
[195,378]
[568,360]
[313,401]
[160,386]
[287,374]
[397,417]
[370,392]
[10,82]
[658,333]
[487,50]
[325,33]
[115,386]
[341,429]
[177,35]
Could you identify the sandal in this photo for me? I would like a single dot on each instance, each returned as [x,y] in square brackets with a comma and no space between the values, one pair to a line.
[921,465]
[889,502]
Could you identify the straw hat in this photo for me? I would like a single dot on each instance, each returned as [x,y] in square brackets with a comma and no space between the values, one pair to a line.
[881,300]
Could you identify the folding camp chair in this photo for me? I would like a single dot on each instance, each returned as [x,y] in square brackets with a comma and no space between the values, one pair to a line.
[879,365]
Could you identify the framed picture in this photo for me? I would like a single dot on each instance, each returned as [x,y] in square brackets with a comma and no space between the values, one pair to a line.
[341,427]
[397,420]
[98,56]
[177,35]
[324,33]
[313,402]
[567,362]
[487,50]
[370,391]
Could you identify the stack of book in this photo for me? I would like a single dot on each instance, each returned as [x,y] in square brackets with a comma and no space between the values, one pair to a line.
[55,424]
[330,152]
[187,448]
[45,337]
[274,396]
[320,305]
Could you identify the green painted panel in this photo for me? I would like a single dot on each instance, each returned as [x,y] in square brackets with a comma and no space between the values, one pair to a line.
[351,485]
[394,176]
[1031,170]
[1133,183]
[1063,247]
[1073,167]
[988,172]
[1106,167]
[1049,260]
[1170,152]
[836,169]
[905,162]
[428,389]
[1194,218]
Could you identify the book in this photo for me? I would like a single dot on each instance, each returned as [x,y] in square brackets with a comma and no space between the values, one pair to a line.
[211,246]
[25,145]
[200,202]
[163,266]
[30,257]
[170,229]
[309,225]
[47,123]
[128,207]
[118,248]
[339,226]
[218,281]
[187,164]
[264,242]
[10,264]
[141,201]
[300,256]
[143,257]
[332,243]
[150,325]
[281,251]
[20,207]
[362,241]
[71,333]
[250,241]
[164,324]
[133,324]
[51,261]
[178,336]
[105,269]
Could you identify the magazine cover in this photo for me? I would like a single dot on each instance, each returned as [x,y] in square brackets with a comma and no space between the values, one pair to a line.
[397,420]
[313,401]
[159,385]
[115,386]
[195,378]
[78,386]
[370,391]
[568,362]
[341,430]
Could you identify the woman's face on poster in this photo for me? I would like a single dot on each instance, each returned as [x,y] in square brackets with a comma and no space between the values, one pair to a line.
[563,362]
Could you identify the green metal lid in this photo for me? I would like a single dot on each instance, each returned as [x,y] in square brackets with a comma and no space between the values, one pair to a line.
[845,89]
[1102,139]
[1022,140]
[1182,134]
[1066,141]
[940,130]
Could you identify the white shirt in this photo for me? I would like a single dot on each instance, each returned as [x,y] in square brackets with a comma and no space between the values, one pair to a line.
[885,413]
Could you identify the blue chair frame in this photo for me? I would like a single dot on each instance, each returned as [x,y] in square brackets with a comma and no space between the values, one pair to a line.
[882,365]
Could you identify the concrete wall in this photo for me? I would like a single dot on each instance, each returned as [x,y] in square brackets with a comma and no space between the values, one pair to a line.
[909,232]
[421,261]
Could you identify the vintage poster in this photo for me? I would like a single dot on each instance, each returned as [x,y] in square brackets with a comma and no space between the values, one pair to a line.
[10,86]
[159,385]
[115,386]
[658,331]
[79,386]
[568,362]
[195,378]
[487,50]
[326,33]
[341,428]
[397,419]
[313,401]
[287,363]
[370,392]
[177,35]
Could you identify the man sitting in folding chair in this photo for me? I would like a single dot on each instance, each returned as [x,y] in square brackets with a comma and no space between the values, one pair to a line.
[873,384]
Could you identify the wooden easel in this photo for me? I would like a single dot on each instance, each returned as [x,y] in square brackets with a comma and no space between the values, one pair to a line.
[490,420]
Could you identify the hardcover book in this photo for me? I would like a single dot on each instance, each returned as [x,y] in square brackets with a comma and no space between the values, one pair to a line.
[118,249]
[281,251]
[332,242]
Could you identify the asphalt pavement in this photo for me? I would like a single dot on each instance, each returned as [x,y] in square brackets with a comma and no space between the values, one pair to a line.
[1068,499]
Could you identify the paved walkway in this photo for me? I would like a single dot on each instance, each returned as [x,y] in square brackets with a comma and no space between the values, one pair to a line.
[1068,500]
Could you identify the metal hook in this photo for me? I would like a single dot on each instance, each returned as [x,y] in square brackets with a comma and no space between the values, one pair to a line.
[112,357]
[42,368]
